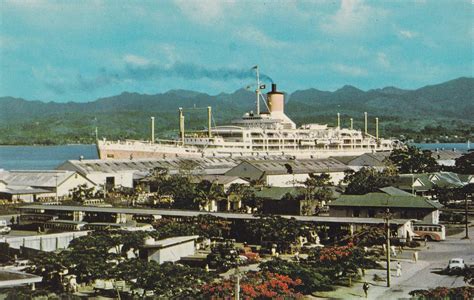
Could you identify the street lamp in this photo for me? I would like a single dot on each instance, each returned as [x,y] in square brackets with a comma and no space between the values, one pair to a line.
[387,217]
[237,284]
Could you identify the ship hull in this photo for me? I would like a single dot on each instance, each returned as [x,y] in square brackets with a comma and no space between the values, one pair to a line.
[142,150]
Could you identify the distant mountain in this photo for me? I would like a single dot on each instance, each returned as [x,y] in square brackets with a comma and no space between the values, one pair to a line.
[126,115]
[452,99]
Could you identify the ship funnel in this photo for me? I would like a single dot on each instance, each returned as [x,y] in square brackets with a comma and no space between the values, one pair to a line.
[275,100]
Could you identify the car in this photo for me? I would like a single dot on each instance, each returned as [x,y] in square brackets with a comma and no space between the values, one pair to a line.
[456,264]
[4,229]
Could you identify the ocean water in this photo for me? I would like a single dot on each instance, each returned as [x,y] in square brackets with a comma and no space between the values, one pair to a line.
[446,146]
[42,157]
[49,157]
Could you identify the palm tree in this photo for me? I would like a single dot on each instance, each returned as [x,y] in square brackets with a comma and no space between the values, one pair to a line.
[208,193]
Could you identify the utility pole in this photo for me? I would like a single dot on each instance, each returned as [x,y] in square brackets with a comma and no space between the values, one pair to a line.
[237,284]
[56,178]
[466,221]
[387,223]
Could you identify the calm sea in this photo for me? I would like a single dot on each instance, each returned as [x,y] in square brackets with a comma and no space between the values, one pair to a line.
[42,157]
[49,157]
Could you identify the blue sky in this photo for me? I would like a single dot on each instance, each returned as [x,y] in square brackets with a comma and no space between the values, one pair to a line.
[83,50]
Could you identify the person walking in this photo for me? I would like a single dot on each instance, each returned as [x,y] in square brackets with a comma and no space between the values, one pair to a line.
[365,287]
[394,251]
[399,269]
[415,256]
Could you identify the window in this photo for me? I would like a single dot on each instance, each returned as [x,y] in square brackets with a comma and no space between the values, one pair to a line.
[356,213]
[371,213]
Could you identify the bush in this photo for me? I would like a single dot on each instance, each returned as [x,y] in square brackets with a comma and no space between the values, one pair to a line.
[310,276]
[254,285]
[464,292]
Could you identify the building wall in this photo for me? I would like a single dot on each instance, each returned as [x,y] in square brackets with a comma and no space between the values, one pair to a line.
[172,253]
[288,180]
[124,178]
[72,182]
[47,242]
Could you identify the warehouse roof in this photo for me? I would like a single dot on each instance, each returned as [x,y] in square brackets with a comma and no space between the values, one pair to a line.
[385,200]
[297,166]
[211,165]
[35,178]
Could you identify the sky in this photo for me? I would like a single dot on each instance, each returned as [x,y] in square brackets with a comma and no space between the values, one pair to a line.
[83,50]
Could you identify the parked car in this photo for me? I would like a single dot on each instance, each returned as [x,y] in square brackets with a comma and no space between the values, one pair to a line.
[4,229]
[456,264]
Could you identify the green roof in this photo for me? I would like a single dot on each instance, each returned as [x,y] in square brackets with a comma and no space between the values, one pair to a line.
[385,200]
[390,190]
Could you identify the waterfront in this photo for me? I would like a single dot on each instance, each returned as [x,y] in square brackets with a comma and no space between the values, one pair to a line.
[49,157]
[42,157]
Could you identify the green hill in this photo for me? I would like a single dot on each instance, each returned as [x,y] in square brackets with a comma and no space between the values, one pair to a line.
[431,112]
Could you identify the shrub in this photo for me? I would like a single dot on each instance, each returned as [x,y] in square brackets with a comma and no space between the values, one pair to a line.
[464,292]
[255,285]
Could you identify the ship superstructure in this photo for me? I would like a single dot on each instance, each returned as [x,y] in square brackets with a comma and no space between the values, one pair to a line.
[255,134]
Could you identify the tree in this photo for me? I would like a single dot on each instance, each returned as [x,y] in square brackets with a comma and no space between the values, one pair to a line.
[465,164]
[207,193]
[182,190]
[317,189]
[413,160]
[82,192]
[312,279]
[368,180]
[275,229]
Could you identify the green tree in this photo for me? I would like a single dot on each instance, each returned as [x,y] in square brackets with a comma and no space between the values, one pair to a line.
[368,180]
[82,192]
[465,164]
[208,192]
[413,160]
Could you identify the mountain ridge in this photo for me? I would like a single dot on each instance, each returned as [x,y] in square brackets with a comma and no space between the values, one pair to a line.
[446,104]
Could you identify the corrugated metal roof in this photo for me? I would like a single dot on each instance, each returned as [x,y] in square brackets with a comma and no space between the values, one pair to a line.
[35,178]
[298,166]
[390,190]
[385,200]
[127,165]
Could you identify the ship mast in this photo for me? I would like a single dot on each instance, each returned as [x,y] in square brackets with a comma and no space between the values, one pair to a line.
[260,86]
[257,91]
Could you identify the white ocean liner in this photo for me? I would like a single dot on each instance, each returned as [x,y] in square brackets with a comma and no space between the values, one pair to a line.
[259,134]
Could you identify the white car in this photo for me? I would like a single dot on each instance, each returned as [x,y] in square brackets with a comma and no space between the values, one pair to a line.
[456,264]
[4,229]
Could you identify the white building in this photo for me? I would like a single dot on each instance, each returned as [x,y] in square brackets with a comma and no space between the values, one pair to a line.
[122,172]
[286,173]
[29,186]
[170,249]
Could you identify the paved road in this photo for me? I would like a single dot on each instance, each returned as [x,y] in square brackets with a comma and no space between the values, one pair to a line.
[422,275]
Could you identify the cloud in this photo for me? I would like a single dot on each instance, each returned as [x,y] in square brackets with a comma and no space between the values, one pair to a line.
[139,69]
[383,60]
[255,36]
[349,70]
[407,34]
[204,11]
[136,60]
[352,17]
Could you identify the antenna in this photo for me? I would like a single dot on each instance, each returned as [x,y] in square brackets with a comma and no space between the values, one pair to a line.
[260,86]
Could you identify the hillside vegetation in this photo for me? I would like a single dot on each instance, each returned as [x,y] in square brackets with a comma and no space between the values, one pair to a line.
[441,112]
